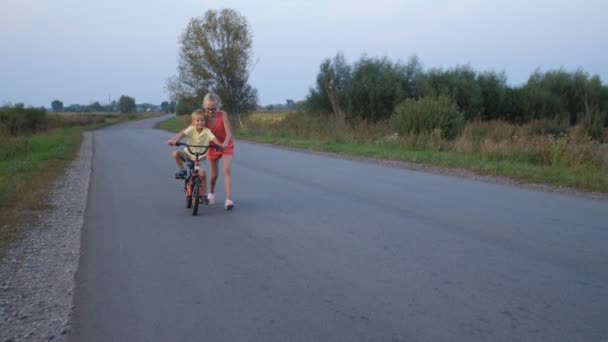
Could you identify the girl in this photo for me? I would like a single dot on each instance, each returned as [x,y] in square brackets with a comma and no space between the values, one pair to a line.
[217,122]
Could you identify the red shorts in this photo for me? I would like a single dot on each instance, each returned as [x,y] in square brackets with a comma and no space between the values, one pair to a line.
[213,155]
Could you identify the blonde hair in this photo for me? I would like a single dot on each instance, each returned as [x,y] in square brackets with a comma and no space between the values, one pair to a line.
[197,112]
[212,97]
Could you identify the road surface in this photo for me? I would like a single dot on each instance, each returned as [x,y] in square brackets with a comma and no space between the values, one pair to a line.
[325,249]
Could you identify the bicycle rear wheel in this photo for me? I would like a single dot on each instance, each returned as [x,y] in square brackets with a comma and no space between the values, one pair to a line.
[195,196]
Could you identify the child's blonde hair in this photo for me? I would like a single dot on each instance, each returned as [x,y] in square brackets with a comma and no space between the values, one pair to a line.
[197,112]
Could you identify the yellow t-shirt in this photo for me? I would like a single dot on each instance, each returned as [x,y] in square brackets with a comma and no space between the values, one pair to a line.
[196,138]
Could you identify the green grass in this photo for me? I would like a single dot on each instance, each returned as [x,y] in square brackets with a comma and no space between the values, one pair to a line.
[175,124]
[579,177]
[29,165]
[27,168]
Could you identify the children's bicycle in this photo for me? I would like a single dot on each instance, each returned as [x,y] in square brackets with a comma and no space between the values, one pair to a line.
[192,183]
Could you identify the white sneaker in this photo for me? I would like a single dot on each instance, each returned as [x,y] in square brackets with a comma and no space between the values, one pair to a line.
[211,198]
[228,205]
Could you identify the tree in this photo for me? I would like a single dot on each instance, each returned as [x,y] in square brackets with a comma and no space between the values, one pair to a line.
[290,104]
[333,79]
[493,93]
[411,75]
[330,94]
[215,55]
[376,87]
[57,106]
[126,104]
[164,107]
[96,107]
[146,107]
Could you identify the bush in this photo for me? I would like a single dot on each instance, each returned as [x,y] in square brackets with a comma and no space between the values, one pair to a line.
[21,121]
[460,84]
[427,114]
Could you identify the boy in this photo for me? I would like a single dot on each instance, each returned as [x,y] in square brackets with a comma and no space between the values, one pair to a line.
[197,134]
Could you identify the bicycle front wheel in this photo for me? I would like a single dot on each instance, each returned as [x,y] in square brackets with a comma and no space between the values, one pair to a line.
[195,196]
[188,192]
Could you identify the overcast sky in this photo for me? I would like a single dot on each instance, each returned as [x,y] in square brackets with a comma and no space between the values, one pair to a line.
[81,51]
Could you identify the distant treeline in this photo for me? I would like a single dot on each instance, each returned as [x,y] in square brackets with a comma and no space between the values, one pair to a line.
[373,89]
[125,104]
[18,121]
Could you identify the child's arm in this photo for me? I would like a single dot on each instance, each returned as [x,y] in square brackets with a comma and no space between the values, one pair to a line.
[217,142]
[176,138]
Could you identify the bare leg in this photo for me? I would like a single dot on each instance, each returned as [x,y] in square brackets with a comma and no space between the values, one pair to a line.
[227,176]
[179,158]
[214,171]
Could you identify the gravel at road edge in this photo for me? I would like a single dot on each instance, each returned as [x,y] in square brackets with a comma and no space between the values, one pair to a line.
[37,272]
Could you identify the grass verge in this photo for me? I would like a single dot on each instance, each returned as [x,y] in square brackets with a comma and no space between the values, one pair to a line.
[175,124]
[582,177]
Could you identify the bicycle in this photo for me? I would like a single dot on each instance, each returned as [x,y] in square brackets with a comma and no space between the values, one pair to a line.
[192,180]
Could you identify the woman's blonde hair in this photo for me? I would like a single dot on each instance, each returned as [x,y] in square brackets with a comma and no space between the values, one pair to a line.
[212,97]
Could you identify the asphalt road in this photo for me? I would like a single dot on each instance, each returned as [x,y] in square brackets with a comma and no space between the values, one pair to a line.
[325,249]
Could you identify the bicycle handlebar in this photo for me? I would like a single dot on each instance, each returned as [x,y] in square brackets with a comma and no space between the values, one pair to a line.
[205,147]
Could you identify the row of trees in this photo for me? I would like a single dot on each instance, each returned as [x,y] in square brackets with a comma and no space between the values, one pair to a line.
[125,104]
[372,88]
[19,120]
[289,105]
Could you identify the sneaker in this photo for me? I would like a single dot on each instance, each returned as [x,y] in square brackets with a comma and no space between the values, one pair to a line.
[204,200]
[181,174]
[228,204]
[211,198]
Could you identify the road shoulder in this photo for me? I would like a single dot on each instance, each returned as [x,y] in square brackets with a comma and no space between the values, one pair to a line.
[38,271]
